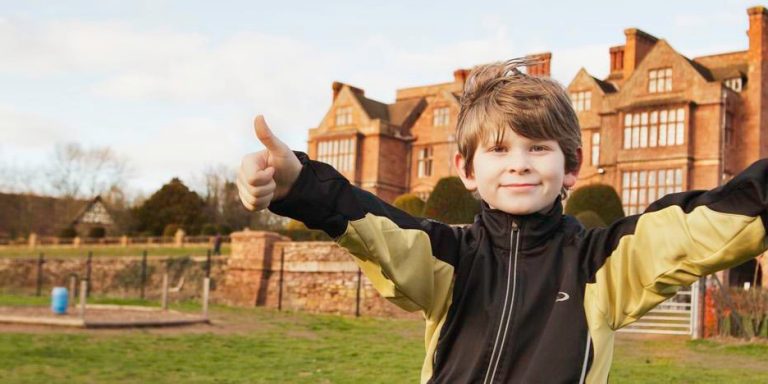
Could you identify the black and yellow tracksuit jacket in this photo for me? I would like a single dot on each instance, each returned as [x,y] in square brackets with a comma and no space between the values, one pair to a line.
[535,298]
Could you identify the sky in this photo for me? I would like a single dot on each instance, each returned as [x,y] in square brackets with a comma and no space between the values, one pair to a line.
[172,86]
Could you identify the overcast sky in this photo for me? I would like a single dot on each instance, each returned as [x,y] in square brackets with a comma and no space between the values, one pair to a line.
[173,86]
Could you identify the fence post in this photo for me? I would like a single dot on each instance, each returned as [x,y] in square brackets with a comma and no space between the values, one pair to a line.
[143,272]
[88,264]
[165,291]
[280,281]
[357,298]
[206,292]
[72,289]
[83,292]
[40,261]
[208,263]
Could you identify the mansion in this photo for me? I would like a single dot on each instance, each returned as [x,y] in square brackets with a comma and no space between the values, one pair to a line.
[660,122]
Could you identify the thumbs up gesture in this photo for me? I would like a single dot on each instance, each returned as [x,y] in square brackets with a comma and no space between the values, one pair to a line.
[266,175]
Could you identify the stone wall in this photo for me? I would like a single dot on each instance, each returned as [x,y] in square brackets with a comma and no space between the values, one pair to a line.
[266,269]
[111,276]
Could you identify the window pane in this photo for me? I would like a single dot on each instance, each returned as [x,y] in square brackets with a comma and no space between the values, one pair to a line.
[679,177]
[625,180]
[643,136]
[635,137]
[588,101]
[627,137]
[663,116]
[680,134]
[654,117]
[634,179]
[653,135]
[663,134]
[680,114]
[671,134]
[627,119]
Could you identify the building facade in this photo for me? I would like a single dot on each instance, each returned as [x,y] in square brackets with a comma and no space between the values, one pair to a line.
[659,123]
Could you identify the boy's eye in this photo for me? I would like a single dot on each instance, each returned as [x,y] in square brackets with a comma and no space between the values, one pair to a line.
[497,148]
[538,148]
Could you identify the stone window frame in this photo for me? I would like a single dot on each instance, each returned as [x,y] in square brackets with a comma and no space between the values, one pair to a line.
[641,187]
[424,162]
[658,127]
[660,80]
[339,153]
[595,146]
[581,101]
[441,116]
[343,116]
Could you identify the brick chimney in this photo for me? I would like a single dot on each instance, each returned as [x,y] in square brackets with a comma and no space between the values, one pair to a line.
[637,46]
[756,124]
[541,66]
[460,75]
[617,59]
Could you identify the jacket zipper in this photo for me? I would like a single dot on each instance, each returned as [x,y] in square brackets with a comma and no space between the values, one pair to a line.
[493,364]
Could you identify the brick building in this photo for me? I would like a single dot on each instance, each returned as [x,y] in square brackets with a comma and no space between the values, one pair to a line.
[660,122]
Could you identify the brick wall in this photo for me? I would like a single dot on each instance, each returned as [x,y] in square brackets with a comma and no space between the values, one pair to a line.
[268,270]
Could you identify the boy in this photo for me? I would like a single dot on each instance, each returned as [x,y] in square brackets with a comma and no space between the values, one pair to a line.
[524,294]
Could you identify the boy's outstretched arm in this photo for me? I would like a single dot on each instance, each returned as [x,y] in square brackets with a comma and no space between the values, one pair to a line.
[409,260]
[642,260]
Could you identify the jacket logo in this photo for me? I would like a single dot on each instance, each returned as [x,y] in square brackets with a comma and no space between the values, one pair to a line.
[562,296]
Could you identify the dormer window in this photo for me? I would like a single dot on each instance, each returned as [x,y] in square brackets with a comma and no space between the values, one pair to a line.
[582,101]
[343,116]
[441,117]
[734,83]
[660,80]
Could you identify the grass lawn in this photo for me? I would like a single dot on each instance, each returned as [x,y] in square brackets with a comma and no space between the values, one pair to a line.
[100,251]
[264,346]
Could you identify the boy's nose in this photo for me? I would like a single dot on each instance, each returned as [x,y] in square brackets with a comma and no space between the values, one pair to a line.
[518,163]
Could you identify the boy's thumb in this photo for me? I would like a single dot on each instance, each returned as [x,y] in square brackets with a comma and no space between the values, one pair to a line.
[265,135]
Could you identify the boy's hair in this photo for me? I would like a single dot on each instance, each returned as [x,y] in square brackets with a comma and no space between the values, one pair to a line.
[499,95]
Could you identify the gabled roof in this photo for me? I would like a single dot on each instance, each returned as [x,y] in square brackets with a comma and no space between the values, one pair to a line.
[90,206]
[374,109]
[400,111]
[604,85]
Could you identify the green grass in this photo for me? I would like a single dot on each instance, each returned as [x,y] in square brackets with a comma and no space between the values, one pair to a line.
[257,345]
[105,251]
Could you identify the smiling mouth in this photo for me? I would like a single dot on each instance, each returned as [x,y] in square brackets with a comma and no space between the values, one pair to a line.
[519,186]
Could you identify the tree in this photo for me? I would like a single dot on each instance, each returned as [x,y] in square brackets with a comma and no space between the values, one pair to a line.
[77,172]
[173,204]
[410,203]
[451,203]
[601,199]
[590,220]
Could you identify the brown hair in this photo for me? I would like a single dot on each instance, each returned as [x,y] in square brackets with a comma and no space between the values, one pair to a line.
[499,95]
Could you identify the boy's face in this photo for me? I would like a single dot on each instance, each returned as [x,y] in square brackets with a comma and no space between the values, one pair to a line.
[519,175]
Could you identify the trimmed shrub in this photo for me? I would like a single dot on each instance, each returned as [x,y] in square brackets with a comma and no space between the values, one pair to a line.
[410,203]
[209,229]
[601,199]
[97,232]
[170,230]
[451,203]
[590,219]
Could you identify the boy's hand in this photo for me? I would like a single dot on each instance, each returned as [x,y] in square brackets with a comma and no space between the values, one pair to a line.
[269,174]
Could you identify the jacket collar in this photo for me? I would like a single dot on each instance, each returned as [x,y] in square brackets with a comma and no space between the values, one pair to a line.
[535,229]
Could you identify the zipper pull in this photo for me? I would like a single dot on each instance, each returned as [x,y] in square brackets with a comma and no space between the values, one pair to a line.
[515,227]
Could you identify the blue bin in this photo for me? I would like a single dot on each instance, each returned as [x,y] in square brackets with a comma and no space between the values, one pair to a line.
[59,300]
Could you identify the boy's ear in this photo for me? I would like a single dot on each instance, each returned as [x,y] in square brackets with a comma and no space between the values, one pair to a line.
[459,163]
[571,177]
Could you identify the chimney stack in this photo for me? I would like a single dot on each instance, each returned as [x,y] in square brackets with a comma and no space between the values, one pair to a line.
[541,67]
[460,75]
[617,59]
[637,46]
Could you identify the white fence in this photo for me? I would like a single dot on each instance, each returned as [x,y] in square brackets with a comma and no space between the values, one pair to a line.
[676,316]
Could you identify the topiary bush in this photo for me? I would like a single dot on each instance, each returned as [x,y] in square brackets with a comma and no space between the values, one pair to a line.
[590,219]
[451,203]
[97,232]
[170,230]
[601,199]
[410,203]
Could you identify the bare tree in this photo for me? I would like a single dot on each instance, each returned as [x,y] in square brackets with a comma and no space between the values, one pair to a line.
[77,172]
